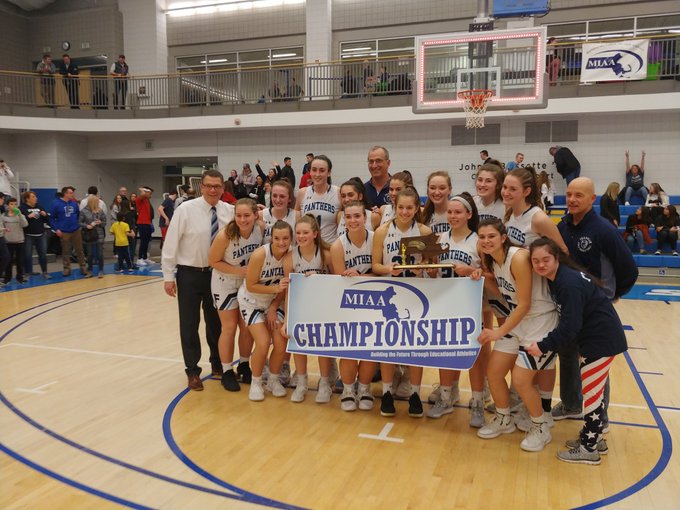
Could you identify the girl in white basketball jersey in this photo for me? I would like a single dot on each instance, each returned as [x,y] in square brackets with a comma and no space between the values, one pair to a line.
[265,281]
[310,255]
[321,199]
[525,220]
[386,255]
[489,185]
[398,182]
[434,213]
[281,208]
[350,191]
[229,255]
[532,317]
[352,256]
[461,243]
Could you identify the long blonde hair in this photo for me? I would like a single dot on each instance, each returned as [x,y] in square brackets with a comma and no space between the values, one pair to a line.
[93,203]
[613,190]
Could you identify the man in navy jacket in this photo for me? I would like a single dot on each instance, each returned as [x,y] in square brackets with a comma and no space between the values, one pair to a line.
[596,245]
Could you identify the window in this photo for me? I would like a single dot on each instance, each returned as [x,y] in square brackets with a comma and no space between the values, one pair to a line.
[491,134]
[378,48]
[241,60]
[547,132]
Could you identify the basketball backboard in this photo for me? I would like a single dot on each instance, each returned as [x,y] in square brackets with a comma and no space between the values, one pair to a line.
[509,63]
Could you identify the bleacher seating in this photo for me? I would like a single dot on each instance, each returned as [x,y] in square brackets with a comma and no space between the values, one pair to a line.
[665,260]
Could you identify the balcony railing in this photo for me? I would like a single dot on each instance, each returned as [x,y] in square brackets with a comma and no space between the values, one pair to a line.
[309,82]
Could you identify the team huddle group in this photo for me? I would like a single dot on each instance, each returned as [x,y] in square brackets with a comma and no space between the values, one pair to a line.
[541,301]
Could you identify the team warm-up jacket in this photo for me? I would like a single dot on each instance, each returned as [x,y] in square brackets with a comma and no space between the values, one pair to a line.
[597,245]
[586,315]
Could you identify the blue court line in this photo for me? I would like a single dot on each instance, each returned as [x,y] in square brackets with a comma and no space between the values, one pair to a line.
[240,496]
[628,424]
[637,348]
[68,481]
[669,408]
[627,327]
[174,447]
[664,458]
[650,373]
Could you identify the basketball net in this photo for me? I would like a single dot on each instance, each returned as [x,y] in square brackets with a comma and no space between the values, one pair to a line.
[474,106]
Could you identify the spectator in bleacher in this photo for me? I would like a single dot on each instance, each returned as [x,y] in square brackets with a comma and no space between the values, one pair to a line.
[609,204]
[656,201]
[511,165]
[637,230]
[246,178]
[287,171]
[547,190]
[274,92]
[348,85]
[228,195]
[46,69]
[667,230]
[257,192]
[294,90]
[272,175]
[635,179]
[553,62]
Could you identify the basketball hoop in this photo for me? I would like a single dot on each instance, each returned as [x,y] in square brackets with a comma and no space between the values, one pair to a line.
[474,106]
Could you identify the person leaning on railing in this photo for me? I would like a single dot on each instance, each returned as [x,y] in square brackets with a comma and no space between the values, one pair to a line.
[120,71]
[46,69]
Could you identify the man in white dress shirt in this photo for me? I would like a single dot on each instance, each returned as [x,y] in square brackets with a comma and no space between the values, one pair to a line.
[186,251]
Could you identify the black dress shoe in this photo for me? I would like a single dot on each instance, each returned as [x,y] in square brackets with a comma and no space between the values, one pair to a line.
[229,381]
[195,383]
[244,372]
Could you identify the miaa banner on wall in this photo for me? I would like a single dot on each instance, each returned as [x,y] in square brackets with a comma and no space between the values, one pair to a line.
[411,321]
[615,61]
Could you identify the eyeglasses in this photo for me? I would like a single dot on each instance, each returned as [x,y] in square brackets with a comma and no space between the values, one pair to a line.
[214,187]
[375,161]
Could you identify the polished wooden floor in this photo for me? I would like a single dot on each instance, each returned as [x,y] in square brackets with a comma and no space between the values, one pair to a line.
[95,414]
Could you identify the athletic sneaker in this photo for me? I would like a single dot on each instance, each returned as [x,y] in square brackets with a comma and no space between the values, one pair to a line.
[365,399]
[560,412]
[141,262]
[348,400]
[602,447]
[537,437]
[401,384]
[47,276]
[476,414]
[229,381]
[256,392]
[324,392]
[244,372]
[284,374]
[433,398]
[275,386]
[440,408]
[499,424]
[523,421]
[387,405]
[579,455]
[300,388]
[415,406]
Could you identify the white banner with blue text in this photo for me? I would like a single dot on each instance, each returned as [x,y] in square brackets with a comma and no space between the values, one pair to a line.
[615,61]
[410,321]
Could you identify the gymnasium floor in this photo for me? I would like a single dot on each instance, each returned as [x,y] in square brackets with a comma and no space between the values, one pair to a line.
[95,414]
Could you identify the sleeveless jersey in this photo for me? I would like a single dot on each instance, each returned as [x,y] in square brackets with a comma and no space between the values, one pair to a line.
[494,210]
[461,252]
[359,258]
[519,228]
[387,214]
[439,223]
[301,265]
[342,229]
[237,253]
[269,221]
[324,208]
[270,274]
[541,302]
[392,244]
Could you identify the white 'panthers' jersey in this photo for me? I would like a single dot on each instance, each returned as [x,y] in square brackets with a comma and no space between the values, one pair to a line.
[461,252]
[301,265]
[324,208]
[269,221]
[270,274]
[359,258]
[519,228]
[541,302]
[494,210]
[238,252]
[392,245]
[439,223]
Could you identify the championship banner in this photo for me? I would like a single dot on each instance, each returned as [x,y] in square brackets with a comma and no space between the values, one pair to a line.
[410,321]
[616,61]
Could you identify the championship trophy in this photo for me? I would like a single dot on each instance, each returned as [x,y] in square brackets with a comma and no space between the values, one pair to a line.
[428,247]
